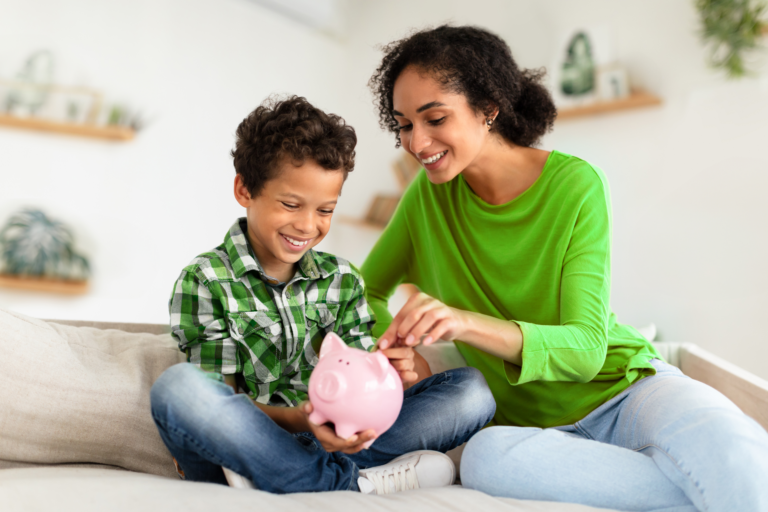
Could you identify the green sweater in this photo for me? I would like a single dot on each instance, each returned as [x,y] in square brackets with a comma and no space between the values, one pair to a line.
[542,261]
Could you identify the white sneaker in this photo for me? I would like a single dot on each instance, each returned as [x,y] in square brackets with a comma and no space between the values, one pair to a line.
[416,470]
[237,481]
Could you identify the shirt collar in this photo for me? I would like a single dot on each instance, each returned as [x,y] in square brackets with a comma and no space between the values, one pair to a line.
[311,265]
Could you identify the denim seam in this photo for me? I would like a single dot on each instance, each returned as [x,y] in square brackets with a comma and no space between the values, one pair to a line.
[680,469]
[583,431]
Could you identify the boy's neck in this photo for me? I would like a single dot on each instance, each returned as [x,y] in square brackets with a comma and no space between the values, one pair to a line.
[282,274]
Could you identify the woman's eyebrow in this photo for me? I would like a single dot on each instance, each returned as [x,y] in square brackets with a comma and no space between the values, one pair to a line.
[427,106]
[431,104]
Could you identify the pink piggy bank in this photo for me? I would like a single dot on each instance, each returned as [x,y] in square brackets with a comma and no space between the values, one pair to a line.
[354,389]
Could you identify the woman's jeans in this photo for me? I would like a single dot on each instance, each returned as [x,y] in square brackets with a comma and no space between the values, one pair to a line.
[205,425]
[667,443]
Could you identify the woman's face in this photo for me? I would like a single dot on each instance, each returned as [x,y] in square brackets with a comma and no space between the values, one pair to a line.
[439,128]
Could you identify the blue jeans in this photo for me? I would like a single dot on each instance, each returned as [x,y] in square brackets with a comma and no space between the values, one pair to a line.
[667,443]
[205,426]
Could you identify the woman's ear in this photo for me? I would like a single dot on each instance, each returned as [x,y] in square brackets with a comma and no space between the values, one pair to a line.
[242,195]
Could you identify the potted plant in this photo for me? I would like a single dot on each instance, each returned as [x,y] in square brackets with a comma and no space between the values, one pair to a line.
[731,29]
[37,252]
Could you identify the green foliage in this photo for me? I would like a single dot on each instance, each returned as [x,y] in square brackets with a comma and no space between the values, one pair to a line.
[731,28]
[34,245]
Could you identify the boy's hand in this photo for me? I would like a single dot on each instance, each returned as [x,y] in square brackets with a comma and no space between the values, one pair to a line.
[402,359]
[328,438]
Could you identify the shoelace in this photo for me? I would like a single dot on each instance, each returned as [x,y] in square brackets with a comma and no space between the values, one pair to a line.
[397,479]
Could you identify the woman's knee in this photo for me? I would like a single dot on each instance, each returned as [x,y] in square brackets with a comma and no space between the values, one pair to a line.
[492,453]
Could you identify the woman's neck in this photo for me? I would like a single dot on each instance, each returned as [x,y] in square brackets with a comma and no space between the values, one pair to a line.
[502,171]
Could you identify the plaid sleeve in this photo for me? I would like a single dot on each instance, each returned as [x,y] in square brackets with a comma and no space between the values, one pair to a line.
[356,316]
[199,324]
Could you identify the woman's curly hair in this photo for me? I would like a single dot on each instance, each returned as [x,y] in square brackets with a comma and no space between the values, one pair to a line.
[477,64]
[290,129]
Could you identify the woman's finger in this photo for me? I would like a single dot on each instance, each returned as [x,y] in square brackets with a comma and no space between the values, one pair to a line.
[416,315]
[424,326]
[442,330]
[390,337]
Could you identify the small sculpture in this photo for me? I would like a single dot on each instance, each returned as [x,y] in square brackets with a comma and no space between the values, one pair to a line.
[354,389]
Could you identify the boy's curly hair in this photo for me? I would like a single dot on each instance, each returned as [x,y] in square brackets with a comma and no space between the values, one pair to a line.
[478,64]
[290,129]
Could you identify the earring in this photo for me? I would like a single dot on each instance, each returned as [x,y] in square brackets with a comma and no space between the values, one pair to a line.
[489,123]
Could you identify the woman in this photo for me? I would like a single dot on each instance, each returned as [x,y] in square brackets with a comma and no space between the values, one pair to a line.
[510,247]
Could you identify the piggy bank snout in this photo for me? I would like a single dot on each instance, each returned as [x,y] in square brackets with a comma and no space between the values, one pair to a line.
[330,386]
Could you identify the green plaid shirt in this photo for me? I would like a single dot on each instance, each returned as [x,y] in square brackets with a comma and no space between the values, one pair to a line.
[229,320]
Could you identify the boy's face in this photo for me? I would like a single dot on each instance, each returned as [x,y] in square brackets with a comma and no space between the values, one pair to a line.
[291,214]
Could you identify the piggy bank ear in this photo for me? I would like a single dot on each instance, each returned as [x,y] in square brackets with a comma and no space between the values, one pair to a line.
[331,343]
[379,363]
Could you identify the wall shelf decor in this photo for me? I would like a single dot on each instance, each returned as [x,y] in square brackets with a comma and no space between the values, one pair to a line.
[39,284]
[636,99]
[116,133]
[354,221]
[383,206]
[32,101]
[37,253]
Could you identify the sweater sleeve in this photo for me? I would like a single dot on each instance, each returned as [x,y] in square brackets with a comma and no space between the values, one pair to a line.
[387,266]
[575,350]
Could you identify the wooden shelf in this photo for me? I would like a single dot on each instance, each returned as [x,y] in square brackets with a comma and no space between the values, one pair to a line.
[354,221]
[635,100]
[39,284]
[117,133]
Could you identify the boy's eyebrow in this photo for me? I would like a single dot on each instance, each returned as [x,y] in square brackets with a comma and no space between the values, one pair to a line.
[426,106]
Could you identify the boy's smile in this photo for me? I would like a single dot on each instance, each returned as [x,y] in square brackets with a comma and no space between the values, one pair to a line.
[290,215]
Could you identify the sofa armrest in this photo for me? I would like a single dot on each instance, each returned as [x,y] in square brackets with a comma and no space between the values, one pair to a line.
[748,391]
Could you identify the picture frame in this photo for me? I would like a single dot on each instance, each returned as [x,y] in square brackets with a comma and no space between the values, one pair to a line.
[612,83]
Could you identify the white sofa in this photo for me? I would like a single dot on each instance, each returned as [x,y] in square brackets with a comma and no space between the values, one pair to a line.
[76,432]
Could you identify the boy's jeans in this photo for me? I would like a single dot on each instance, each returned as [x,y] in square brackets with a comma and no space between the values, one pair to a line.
[666,443]
[205,425]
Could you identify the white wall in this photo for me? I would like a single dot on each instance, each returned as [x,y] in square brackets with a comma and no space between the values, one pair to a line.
[687,178]
[143,209]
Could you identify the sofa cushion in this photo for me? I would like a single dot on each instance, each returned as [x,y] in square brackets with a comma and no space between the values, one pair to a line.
[92,490]
[80,395]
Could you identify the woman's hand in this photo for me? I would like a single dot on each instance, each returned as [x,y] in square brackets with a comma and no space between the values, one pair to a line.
[427,317]
[424,316]
[328,438]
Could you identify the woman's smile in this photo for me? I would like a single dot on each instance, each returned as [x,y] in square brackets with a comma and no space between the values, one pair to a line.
[434,161]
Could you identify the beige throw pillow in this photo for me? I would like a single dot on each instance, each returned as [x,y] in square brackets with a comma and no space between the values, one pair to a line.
[80,394]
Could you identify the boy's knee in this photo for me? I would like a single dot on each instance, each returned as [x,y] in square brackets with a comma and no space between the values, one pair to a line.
[476,394]
[175,384]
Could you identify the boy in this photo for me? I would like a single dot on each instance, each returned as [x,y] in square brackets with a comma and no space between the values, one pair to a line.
[251,315]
